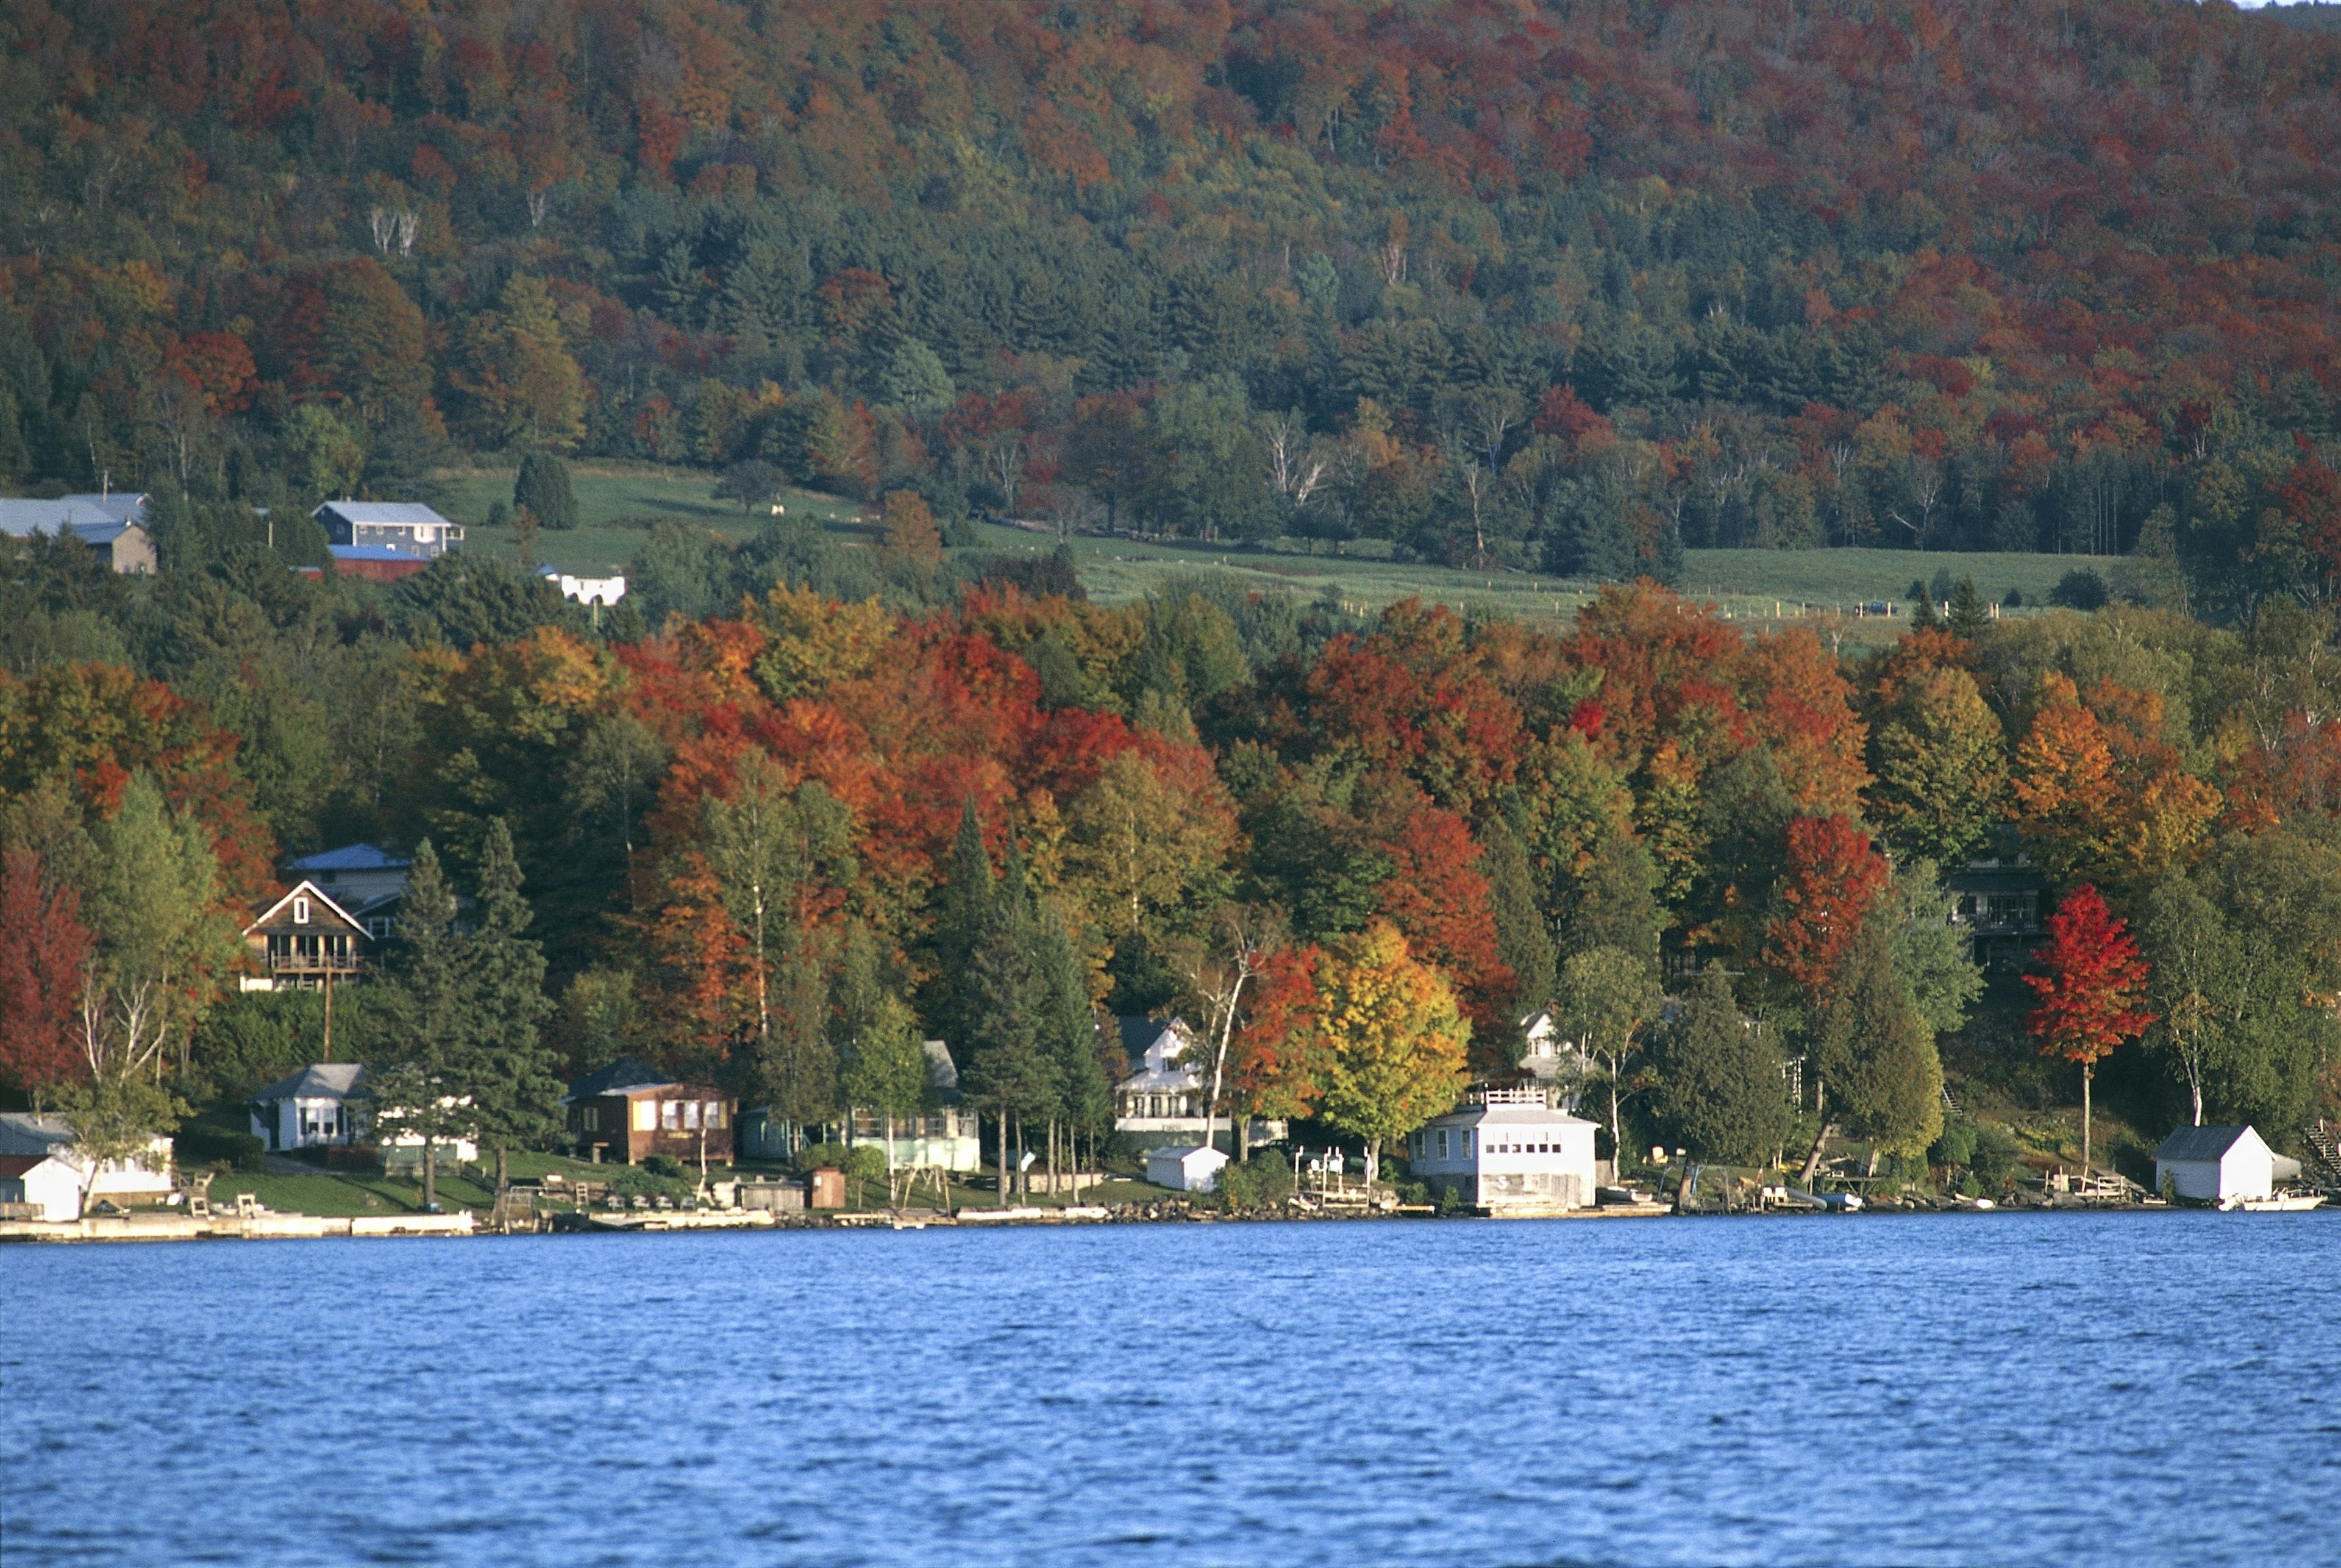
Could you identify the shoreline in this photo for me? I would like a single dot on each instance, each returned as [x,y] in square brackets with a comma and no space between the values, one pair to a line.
[134,1228]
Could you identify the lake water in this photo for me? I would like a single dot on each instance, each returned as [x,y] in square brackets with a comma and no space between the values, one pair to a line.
[2115,1389]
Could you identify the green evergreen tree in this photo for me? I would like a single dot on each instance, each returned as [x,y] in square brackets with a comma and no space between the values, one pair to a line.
[1005,1000]
[1970,616]
[512,1076]
[1875,1055]
[1720,1092]
[1616,901]
[429,1017]
[543,489]
[1523,941]
[962,907]
[1084,1094]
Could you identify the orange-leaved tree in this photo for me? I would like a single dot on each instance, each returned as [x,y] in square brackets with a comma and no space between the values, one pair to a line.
[1394,1039]
[2092,997]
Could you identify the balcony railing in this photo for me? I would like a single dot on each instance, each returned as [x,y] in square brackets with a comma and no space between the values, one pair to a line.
[314,963]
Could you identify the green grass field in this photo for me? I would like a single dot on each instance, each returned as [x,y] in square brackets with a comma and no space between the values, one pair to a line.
[618,501]
[616,504]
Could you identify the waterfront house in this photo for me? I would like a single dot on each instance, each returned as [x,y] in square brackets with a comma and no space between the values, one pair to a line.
[629,1110]
[328,1105]
[42,1165]
[113,523]
[304,941]
[944,1135]
[1507,1152]
[1168,1081]
[2215,1164]
[1996,902]
[1185,1167]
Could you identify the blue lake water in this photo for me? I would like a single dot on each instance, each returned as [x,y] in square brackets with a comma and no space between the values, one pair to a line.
[2039,1389]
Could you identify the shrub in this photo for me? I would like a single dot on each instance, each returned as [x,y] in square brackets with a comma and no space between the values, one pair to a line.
[1261,1182]
[665,1165]
[1997,1154]
[2080,589]
[2013,600]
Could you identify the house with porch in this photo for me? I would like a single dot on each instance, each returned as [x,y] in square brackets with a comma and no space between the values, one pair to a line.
[304,941]
[629,1110]
[1169,1079]
[328,1105]
[1507,1152]
[944,1135]
[362,879]
[1996,901]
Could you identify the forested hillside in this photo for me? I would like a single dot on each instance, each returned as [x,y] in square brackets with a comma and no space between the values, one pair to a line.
[1561,285]
[1568,288]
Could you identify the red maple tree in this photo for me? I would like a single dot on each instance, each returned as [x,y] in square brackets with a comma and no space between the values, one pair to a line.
[1834,877]
[2090,997]
[43,947]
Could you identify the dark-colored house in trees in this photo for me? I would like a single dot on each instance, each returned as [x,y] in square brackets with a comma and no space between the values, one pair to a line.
[1999,903]
[629,1111]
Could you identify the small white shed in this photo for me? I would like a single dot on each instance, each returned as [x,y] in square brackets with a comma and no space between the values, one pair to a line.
[1185,1167]
[2213,1164]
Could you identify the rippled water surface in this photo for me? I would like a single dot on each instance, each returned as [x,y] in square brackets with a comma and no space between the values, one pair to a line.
[2050,1389]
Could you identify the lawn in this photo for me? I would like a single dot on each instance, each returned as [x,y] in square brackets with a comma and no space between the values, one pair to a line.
[617,502]
[335,1193]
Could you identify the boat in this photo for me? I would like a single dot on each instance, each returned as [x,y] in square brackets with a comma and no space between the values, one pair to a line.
[2281,1203]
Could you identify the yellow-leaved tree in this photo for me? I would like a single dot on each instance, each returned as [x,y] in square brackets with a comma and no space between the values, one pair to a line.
[1394,1039]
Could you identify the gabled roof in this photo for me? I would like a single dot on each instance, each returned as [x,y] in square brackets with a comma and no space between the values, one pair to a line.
[300,889]
[318,1081]
[626,1073]
[406,514]
[2202,1143]
[1183,1153]
[122,506]
[350,857]
[94,519]
[943,1072]
[25,1134]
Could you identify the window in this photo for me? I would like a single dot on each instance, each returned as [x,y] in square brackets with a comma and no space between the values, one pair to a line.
[645,1116]
[690,1116]
[299,911]
[593,1118]
[671,1115]
[715,1114]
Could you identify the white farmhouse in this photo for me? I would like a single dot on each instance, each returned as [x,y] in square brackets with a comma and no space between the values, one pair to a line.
[595,591]
[1508,1152]
[42,1164]
[1169,1079]
[1185,1167]
[1551,1058]
[2213,1164]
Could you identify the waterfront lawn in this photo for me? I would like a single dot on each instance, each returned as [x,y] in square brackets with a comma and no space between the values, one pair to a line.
[337,1194]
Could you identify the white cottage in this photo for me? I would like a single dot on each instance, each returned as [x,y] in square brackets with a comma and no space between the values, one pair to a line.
[1185,1167]
[42,1164]
[2215,1164]
[1551,1058]
[1508,1152]
[326,1104]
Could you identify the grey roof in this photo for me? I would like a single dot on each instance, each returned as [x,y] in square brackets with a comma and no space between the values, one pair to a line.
[122,506]
[625,1072]
[318,1081]
[394,512]
[350,857]
[94,519]
[24,1133]
[943,1072]
[2199,1142]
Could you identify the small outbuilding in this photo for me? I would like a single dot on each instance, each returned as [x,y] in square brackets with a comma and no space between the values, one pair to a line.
[42,1164]
[1185,1167]
[2215,1164]
[1507,1152]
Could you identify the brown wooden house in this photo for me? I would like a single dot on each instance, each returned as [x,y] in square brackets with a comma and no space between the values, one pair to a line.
[305,940]
[629,1110]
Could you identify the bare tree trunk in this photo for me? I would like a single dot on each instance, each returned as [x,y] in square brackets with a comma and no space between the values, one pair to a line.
[1003,1159]
[2089,1070]
[430,1173]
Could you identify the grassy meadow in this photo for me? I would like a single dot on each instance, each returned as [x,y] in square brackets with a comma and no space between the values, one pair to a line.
[617,503]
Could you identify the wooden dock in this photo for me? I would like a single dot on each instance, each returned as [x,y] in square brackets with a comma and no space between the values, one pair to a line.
[228,1225]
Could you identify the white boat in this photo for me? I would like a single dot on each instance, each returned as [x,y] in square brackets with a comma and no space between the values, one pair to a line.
[2282,1204]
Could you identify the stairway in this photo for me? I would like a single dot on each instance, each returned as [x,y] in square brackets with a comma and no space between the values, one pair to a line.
[2324,1162]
